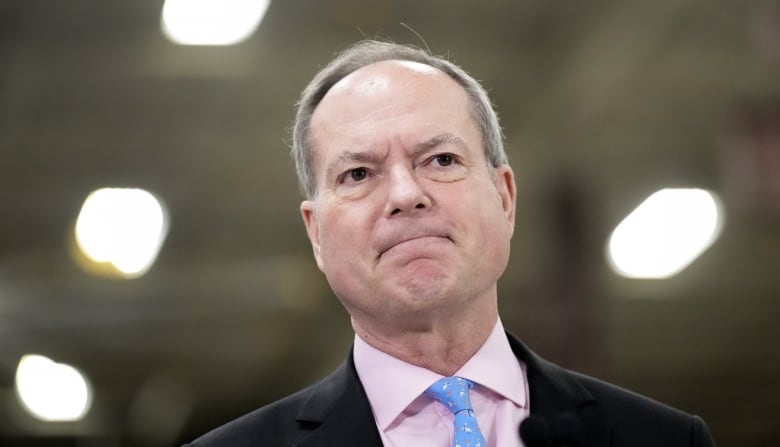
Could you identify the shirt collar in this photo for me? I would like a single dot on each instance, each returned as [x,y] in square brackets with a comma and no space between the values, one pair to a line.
[392,384]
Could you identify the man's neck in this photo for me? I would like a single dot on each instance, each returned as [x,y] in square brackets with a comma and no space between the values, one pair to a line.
[443,346]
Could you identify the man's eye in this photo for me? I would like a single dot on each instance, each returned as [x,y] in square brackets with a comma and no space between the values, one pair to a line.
[444,167]
[357,174]
[444,159]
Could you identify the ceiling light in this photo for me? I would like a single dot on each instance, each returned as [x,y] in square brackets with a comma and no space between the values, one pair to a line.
[122,226]
[211,22]
[665,233]
[52,391]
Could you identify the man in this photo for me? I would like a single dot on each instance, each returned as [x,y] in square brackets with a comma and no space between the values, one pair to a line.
[410,208]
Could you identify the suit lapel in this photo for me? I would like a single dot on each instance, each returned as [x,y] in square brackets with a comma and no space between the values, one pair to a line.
[338,412]
[553,391]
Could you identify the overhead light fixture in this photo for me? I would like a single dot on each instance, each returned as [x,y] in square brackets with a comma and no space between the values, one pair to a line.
[52,391]
[211,22]
[124,227]
[665,233]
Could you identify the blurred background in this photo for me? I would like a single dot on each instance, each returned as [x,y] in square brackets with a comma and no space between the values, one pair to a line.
[603,104]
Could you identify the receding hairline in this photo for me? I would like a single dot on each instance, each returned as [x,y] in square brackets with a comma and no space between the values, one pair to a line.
[419,68]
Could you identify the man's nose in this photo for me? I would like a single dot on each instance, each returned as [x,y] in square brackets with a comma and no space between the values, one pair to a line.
[405,193]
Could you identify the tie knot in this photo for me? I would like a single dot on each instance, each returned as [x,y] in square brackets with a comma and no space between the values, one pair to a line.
[452,392]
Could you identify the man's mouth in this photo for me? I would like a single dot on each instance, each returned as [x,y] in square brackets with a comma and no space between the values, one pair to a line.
[390,245]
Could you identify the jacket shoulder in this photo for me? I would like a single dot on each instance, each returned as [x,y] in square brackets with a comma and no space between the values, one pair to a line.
[611,415]
[272,424]
[637,420]
[337,402]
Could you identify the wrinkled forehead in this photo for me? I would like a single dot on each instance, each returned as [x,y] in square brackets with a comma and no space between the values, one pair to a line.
[380,76]
[389,98]
[402,86]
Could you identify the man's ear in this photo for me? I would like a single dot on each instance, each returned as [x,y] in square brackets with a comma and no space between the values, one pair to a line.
[505,185]
[309,214]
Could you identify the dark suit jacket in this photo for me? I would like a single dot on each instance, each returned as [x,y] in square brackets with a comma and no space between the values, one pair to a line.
[336,412]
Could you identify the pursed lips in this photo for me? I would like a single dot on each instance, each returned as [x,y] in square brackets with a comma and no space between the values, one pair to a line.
[387,246]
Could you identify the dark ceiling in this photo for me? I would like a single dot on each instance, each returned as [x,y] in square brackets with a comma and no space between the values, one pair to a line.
[603,102]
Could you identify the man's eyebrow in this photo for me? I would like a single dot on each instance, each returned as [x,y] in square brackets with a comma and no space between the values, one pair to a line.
[350,156]
[438,140]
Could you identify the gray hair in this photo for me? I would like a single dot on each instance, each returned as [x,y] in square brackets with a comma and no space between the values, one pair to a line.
[368,52]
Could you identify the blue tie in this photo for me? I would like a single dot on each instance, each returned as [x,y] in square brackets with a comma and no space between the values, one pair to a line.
[453,393]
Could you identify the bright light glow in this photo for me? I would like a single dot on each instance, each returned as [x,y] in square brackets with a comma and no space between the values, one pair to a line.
[664,234]
[211,22]
[52,391]
[122,226]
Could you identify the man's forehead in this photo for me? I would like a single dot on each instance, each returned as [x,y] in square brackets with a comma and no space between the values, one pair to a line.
[379,76]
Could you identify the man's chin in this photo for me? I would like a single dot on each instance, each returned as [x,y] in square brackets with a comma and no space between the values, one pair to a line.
[424,289]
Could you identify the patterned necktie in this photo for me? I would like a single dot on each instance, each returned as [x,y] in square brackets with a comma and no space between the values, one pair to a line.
[453,393]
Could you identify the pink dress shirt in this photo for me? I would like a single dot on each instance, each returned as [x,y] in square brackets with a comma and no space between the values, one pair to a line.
[407,417]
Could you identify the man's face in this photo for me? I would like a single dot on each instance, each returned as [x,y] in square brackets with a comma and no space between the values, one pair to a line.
[408,217]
